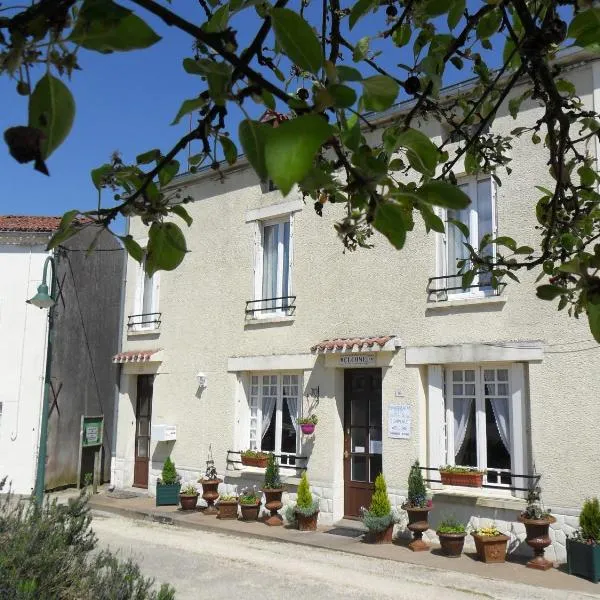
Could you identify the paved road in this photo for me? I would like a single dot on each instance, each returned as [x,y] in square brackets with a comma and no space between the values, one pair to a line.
[219,567]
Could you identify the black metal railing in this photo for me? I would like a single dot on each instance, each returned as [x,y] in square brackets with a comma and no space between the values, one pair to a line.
[492,486]
[281,304]
[286,461]
[439,293]
[144,321]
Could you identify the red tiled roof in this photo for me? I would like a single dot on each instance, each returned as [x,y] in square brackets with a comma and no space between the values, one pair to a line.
[24,223]
[349,344]
[134,356]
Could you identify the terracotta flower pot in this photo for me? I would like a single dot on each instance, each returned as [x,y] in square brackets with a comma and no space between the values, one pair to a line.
[273,504]
[382,537]
[491,548]
[463,479]
[209,494]
[307,428]
[188,501]
[417,523]
[255,461]
[451,543]
[538,538]
[307,523]
[250,511]
[227,509]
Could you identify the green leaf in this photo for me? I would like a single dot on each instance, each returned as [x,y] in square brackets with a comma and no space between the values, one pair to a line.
[361,50]
[218,22]
[379,92]
[584,29]
[290,149]
[593,311]
[460,226]
[506,241]
[166,247]
[104,26]
[342,95]
[180,211]
[148,157]
[432,221]
[524,250]
[442,193]
[573,266]
[588,176]
[489,24]
[421,152]
[133,248]
[229,149]
[562,85]
[457,62]
[52,110]
[187,107]
[252,136]
[64,231]
[352,137]
[166,174]
[402,35]
[467,279]
[348,73]
[435,8]
[549,292]
[360,9]
[98,175]
[297,39]
[456,12]
[390,219]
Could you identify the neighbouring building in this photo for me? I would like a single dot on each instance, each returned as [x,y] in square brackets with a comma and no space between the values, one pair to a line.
[84,333]
[394,358]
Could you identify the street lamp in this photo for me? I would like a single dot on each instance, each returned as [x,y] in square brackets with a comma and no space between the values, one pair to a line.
[43,299]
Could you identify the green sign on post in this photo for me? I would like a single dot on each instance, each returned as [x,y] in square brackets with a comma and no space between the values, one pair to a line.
[93,431]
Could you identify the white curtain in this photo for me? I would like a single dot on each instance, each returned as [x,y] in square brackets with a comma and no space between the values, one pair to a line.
[268,410]
[269,283]
[462,414]
[500,409]
[292,404]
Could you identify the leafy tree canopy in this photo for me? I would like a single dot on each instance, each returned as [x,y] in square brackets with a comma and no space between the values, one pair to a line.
[307,59]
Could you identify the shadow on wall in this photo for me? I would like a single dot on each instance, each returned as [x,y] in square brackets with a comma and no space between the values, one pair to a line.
[161,451]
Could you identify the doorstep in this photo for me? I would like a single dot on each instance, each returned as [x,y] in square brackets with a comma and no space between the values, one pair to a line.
[344,536]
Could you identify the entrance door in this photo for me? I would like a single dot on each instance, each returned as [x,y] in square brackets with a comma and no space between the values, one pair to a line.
[143,413]
[362,437]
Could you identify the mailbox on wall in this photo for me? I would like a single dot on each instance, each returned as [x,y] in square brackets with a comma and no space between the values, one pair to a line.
[164,433]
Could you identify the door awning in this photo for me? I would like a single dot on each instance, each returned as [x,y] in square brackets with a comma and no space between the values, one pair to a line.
[138,356]
[381,343]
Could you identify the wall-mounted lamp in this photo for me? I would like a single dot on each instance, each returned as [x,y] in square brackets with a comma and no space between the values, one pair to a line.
[202,380]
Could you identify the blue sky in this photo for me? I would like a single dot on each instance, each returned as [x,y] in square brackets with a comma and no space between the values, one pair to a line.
[124,102]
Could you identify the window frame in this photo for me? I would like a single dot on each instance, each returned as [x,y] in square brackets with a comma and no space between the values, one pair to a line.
[442,262]
[259,257]
[257,441]
[138,308]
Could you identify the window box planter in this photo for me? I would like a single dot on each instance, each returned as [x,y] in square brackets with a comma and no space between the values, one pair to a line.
[167,495]
[583,559]
[307,428]
[491,548]
[466,479]
[228,509]
[451,543]
[250,511]
[255,461]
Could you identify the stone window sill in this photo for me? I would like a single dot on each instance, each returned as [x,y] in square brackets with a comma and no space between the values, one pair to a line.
[258,475]
[480,497]
[467,302]
[269,320]
[142,332]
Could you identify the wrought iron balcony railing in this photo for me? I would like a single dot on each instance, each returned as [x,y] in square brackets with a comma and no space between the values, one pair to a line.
[285,305]
[144,321]
[440,288]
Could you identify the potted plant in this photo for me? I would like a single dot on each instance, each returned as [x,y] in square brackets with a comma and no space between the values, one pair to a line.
[537,523]
[167,485]
[379,518]
[417,506]
[307,424]
[249,501]
[227,507]
[272,489]
[306,510]
[490,544]
[583,548]
[210,485]
[451,534]
[254,458]
[188,497]
[465,476]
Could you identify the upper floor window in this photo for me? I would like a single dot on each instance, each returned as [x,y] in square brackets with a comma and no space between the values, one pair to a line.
[145,312]
[274,408]
[480,219]
[0,419]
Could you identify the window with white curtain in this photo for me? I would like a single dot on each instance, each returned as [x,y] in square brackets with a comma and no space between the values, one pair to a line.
[273,276]
[146,301]
[275,401]
[479,431]
[480,218]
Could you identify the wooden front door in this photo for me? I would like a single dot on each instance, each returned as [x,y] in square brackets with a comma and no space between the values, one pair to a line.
[362,437]
[143,414]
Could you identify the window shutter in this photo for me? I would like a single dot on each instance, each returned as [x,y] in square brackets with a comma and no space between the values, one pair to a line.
[257,284]
[518,450]
[436,436]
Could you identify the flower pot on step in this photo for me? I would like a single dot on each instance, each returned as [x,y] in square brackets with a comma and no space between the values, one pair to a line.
[583,559]
[188,501]
[451,543]
[538,538]
[382,537]
[227,509]
[167,495]
[307,523]
[250,511]
[417,523]
[273,504]
[210,493]
[491,548]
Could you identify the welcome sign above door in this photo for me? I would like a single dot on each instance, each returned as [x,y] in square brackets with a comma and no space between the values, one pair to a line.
[356,360]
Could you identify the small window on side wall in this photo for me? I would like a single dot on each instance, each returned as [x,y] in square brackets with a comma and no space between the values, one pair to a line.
[145,314]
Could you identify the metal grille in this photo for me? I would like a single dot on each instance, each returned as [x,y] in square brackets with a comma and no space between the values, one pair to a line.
[438,287]
[281,304]
[144,321]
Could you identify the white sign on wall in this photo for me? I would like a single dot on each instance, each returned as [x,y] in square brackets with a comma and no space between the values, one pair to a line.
[360,360]
[399,421]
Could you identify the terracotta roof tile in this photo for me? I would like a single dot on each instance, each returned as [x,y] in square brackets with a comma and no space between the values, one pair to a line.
[348,344]
[33,224]
[132,356]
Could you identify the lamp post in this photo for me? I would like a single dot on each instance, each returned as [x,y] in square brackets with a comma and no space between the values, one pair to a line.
[44,300]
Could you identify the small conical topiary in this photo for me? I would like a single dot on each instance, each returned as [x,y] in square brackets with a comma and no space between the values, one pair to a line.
[304,499]
[169,473]
[380,503]
[272,479]
[589,520]
[417,494]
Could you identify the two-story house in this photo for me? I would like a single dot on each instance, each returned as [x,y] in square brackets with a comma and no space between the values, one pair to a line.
[395,359]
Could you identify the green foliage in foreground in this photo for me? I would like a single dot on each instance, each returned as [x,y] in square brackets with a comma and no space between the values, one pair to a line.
[47,554]
[589,520]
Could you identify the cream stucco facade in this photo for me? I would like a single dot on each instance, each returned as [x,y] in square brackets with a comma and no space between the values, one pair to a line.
[550,359]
